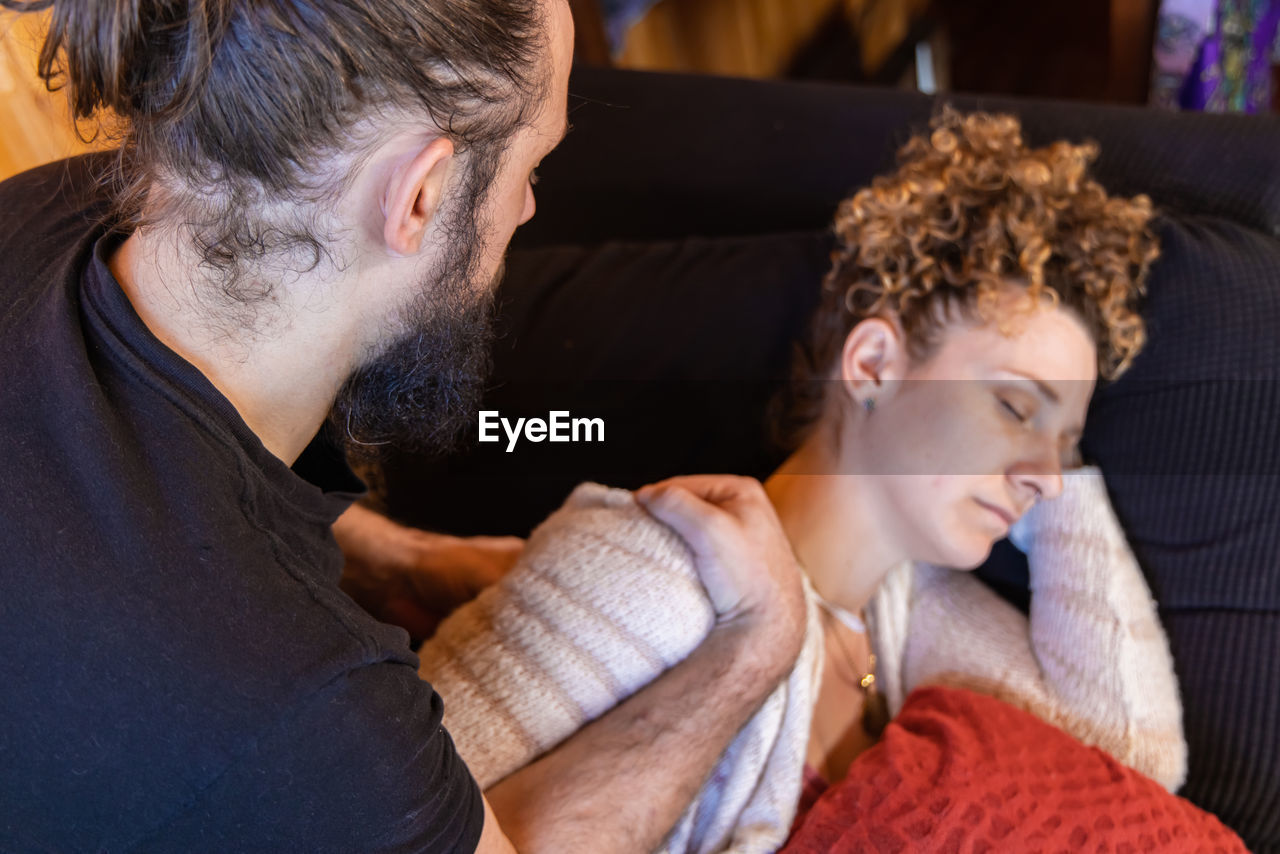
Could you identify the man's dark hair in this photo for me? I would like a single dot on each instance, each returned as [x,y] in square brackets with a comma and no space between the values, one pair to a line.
[223,107]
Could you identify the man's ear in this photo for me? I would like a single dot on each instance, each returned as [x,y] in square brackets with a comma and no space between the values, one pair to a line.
[412,195]
[874,355]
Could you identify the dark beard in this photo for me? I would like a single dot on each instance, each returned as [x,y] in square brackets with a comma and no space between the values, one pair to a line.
[422,391]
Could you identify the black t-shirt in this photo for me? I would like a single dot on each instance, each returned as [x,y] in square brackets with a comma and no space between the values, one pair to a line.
[178,668]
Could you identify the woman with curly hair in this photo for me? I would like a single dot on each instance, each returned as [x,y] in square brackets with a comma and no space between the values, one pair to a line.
[977,294]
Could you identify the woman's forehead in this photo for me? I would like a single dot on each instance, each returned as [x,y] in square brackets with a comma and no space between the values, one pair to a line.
[1046,343]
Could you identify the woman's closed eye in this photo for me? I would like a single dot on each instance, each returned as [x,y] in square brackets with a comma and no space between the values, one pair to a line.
[1013,411]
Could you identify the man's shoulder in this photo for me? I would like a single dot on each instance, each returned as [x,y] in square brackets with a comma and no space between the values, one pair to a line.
[74,183]
[158,648]
[363,764]
[52,201]
[50,218]
[154,768]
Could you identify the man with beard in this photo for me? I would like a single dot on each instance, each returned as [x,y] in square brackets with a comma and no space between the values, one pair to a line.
[307,212]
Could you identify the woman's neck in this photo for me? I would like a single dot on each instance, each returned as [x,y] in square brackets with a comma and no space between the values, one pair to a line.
[832,521]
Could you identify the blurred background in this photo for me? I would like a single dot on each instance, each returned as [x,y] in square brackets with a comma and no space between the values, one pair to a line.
[1218,55]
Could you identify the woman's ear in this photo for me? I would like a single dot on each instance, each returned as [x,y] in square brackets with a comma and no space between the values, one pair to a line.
[873,358]
[412,195]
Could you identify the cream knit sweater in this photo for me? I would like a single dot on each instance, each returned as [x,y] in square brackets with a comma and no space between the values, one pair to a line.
[602,601]
[605,598]
[1092,658]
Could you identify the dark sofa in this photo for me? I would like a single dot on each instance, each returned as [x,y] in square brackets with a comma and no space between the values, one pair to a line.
[676,254]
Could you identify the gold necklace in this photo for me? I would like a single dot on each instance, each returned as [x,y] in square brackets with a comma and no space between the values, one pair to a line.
[875,709]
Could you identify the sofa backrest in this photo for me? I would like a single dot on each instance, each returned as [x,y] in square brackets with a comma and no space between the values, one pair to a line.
[666,156]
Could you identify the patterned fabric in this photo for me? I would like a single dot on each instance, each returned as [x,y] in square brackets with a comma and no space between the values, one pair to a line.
[960,771]
[1216,55]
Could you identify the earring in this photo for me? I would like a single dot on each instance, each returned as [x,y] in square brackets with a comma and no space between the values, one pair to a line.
[869,404]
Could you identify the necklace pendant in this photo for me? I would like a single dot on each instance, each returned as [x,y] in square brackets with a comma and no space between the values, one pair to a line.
[875,712]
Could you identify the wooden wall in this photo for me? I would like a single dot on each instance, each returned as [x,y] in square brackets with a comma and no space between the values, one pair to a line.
[752,38]
[747,38]
[758,38]
[35,126]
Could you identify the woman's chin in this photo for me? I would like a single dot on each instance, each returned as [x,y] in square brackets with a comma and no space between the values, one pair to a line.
[957,544]
[969,554]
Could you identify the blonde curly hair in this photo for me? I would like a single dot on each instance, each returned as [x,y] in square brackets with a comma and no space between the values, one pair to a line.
[971,210]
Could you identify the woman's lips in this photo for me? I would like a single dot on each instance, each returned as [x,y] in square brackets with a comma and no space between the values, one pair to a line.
[1005,516]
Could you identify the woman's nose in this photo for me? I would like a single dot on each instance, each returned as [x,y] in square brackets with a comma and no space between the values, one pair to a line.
[1041,472]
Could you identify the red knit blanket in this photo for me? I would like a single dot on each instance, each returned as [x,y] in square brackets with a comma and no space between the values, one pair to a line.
[959,772]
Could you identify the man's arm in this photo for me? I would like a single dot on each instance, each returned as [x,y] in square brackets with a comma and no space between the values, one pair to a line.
[415,578]
[622,782]
[492,839]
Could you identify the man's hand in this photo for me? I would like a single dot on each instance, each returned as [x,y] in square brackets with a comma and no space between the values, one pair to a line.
[739,548]
[414,578]
[669,735]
